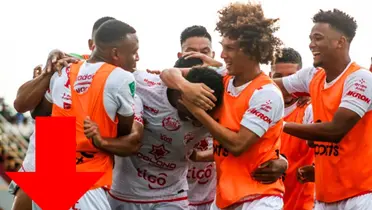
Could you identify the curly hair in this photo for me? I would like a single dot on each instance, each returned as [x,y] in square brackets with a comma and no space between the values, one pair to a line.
[247,24]
[288,55]
[338,20]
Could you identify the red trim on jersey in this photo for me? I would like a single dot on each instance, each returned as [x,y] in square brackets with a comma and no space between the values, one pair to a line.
[253,199]
[201,203]
[156,201]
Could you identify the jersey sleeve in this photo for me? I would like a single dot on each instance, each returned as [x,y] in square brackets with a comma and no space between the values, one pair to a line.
[266,108]
[300,81]
[119,92]
[357,92]
[138,109]
[48,93]
[308,117]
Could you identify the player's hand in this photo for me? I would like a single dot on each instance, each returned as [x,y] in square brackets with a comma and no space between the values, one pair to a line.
[193,155]
[91,131]
[194,109]
[37,71]
[199,94]
[270,171]
[207,61]
[311,144]
[303,101]
[56,61]
[306,174]
[157,72]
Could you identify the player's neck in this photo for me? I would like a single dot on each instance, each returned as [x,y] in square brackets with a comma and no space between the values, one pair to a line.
[249,73]
[294,100]
[171,95]
[98,56]
[335,68]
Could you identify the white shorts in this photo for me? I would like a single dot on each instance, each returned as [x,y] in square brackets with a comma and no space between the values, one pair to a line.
[201,207]
[92,200]
[266,203]
[174,205]
[363,202]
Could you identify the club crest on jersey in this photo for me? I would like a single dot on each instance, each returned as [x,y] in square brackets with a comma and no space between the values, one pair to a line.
[159,151]
[171,124]
[202,145]
[188,137]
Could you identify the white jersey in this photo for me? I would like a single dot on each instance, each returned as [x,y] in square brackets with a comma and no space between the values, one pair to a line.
[357,90]
[158,172]
[201,177]
[117,98]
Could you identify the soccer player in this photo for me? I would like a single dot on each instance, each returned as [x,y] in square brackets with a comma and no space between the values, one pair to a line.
[250,117]
[341,93]
[21,199]
[103,80]
[201,176]
[155,178]
[196,42]
[297,196]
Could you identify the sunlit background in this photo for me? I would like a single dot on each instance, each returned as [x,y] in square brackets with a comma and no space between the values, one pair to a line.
[30,29]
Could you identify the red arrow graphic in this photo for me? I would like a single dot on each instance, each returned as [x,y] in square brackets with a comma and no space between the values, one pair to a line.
[55,184]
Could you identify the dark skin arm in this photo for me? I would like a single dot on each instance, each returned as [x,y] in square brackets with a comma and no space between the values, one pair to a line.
[234,142]
[128,141]
[342,122]
[267,173]
[31,93]
[202,156]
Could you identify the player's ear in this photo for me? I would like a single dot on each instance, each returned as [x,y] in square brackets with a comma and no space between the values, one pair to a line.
[90,44]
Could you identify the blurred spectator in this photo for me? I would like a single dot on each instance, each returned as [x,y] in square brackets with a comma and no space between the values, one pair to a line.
[25,128]
[14,129]
[20,117]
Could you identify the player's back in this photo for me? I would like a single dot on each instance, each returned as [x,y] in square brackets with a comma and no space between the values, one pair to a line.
[159,169]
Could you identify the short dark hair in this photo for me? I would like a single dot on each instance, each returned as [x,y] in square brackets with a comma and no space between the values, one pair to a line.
[246,23]
[210,78]
[100,21]
[338,20]
[188,63]
[112,31]
[288,55]
[194,31]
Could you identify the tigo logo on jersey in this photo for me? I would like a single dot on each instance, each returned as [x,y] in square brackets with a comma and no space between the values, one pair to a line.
[166,138]
[171,124]
[202,175]
[159,180]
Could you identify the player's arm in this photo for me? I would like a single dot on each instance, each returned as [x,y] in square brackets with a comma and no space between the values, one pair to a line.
[130,132]
[297,83]
[355,102]
[127,144]
[198,93]
[252,127]
[31,93]
[202,156]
